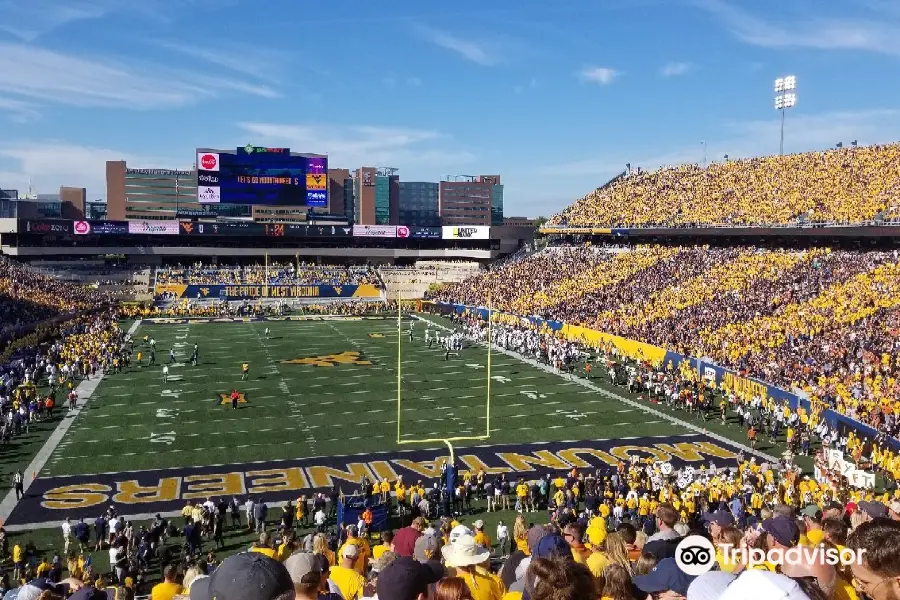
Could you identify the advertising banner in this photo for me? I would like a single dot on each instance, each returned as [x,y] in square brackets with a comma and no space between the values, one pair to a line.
[100,227]
[379,231]
[153,227]
[47,226]
[424,233]
[245,292]
[466,232]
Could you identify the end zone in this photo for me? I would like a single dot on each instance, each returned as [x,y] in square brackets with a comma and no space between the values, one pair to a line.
[141,494]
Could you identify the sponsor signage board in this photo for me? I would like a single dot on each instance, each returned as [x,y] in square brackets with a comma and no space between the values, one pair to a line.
[153,227]
[466,232]
[159,172]
[45,226]
[424,233]
[379,231]
[100,227]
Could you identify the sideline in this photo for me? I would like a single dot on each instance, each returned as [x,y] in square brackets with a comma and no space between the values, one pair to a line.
[84,390]
[615,396]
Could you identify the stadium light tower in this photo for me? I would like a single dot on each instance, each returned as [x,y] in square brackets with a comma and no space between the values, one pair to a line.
[785,98]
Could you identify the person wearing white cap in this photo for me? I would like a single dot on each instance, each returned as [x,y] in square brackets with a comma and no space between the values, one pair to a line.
[464,555]
[481,538]
[345,576]
[894,510]
[749,585]
[458,531]
[306,573]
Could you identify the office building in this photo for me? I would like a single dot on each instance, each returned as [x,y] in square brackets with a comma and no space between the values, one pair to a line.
[418,204]
[154,194]
[364,196]
[471,200]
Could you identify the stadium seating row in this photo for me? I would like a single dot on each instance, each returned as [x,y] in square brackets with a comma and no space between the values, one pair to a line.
[274,274]
[841,186]
[28,297]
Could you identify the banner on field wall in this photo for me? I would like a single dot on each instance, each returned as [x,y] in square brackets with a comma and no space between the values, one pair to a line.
[249,292]
[660,356]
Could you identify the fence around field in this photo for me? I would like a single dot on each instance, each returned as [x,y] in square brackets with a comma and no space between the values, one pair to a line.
[657,356]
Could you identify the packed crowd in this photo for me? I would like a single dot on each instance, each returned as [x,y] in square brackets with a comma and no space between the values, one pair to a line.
[826,321]
[274,274]
[245,308]
[838,186]
[42,379]
[28,297]
[606,534]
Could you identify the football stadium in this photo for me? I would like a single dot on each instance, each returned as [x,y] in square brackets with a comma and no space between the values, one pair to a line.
[268,378]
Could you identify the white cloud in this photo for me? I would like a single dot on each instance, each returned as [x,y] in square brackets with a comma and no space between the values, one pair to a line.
[353,146]
[52,163]
[674,69]
[825,33]
[35,18]
[239,58]
[20,111]
[477,52]
[29,20]
[601,75]
[413,82]
[37,73]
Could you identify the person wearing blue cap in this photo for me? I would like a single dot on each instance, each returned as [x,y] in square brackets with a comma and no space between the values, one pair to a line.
[783,532]
[666,580]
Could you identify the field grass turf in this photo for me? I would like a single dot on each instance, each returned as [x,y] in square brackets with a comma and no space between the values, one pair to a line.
[135,421]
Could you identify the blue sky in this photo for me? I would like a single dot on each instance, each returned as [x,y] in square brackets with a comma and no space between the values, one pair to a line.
[554,97]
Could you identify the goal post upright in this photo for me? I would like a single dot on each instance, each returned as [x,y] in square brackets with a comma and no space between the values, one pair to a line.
[489,344]
[399,361]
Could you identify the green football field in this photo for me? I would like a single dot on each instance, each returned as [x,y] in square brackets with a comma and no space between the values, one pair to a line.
[136,421]
[319,408]
[322,395]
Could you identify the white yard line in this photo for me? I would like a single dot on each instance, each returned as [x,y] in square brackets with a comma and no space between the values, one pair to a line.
[296,408]
[84,390]
[623,399]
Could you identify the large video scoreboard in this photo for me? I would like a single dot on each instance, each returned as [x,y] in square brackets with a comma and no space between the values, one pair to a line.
[257,175]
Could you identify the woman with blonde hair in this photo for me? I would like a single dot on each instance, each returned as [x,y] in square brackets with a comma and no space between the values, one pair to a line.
[520,534]
[320,546]
[617,551]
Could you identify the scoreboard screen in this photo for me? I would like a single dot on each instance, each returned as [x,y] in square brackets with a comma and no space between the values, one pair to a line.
[257,175]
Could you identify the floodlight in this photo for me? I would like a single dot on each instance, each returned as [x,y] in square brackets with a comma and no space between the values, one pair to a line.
[784,99]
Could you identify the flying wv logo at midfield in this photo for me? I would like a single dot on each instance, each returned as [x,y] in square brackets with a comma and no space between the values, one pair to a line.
[225,398]
[329,360]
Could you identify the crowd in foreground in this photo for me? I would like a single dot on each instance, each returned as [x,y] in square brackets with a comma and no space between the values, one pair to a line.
[823,320]
[613,534]
[841,186]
